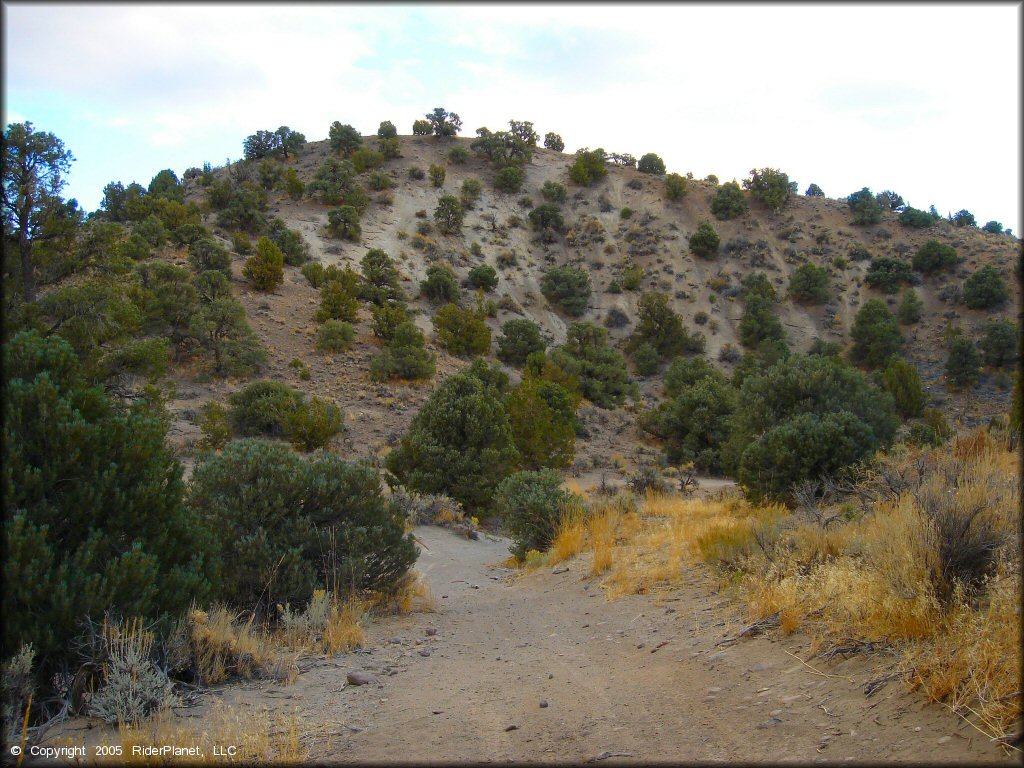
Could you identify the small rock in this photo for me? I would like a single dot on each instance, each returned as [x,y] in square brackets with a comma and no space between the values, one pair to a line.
[759,667]
[395,641]
[357,677]
[709,698]
[771,721]
[944,739]
[917,729]
[543,703]
[436,711]
[670,610]
[717,656]
[775,712]
[714,690]
[550,676]
[424,652]
[430,631]
[640,645]
[511,728]
[560,569]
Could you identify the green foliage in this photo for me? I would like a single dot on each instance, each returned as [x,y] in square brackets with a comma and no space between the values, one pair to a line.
[934,256]
[999,342]
[219,324]
[509,179]
[386,319]
[661,327]
[519,339]
[901,380]
[814,191]
[554,192]
[547,216]
[554,141]
[437,174]
[875,333]
[809,284]
[462,331]
[93,514]
[460,443]
[364,159]
[152,230]
[166,184]
[910,307]
[387,130]
[440,285]
[287,525]
[448,215]
[334,182]
[993,228]
[263,408]
[985,289]
[705,241]
[404,357]
[380,283]
[244,209]
[632,277]
[675,186]
[588,167]
[759,323]
[646,359]
[206,253]
[651,163]
[444,123]
[530,505]
[335,336]
[290,241]
[338,301]
[344,222]
[568,287]
[963,218]
[963,363]
[215,425]
[728,201]
[696,421]
[483,277]
[314,273]
[470,193]
[458,155]
[422,128]
[344,138]
[772,187]
[915,218]
[313,424]
[866,209]
[599,370]
[887,272]
[265,268]
[542,416]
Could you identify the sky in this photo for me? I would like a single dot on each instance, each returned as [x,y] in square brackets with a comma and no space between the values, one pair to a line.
[920,99]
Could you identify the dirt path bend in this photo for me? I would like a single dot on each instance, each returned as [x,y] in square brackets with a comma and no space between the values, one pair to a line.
[542,668]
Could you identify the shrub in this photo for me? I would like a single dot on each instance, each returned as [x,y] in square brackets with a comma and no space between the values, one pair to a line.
[567,287]
[530,507]
[809,284]
[599,370]
[133,687]
[471,190]
[293,185]
[265,268]
[484,277]
[215,424]
[519,339]
[759,323]
[509,179]
[985,289]
[313,424]
[705,241]
[206,253]
[696,422]
[660,326]
[422,128]
[814,191]
[632,277]
[963,363]
[651,163]
[772,187]
[380,283]
[675,186]
[337,302]
[286,524]
[918,219]
[343,138]
[542,415]
[333,182]
[335,336]
[910,307]
[444,123]
[934,256]
[440,285]
[728,201]
[646,359]
[437,174]
[866,209]
[588,167]
[875,333]
[458,155]
[886,273]
[462,331]
[901,380]
[94,520]
[554,141]
[343,222]
[417,174]
[999,343]
[460,443]
[448,214]
[386,319]
[553,192]
[963,218]
[263,408]
[547,216]
[404,357]
[993,228]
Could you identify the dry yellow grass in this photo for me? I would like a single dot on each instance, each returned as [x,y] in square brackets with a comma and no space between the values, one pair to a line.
[221,647]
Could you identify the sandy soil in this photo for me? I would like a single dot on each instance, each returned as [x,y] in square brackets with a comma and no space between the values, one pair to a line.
[542,668]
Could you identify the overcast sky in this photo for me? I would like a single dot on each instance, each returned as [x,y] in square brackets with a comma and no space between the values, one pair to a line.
[924,100]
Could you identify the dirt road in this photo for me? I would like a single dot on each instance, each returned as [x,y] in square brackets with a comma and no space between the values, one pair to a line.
[543,668]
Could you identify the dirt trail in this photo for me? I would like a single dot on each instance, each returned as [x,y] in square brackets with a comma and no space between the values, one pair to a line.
[640,679]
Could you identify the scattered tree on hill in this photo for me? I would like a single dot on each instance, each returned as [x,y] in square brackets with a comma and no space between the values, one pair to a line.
[661,327]
[483,277]
[963,218]
[901,380]
[890,200]
[886,273]
[523,131]
[866,208]
[588,167]
[404,357]
[771,186]
[387,130]
[422,128]
[520,338]
[440,285]
[542,416]
[912,217]
[599,369]
[875,333]
[651,163]
[567,287]
[963,363]
[999,343]
[809,284]
[675,186]
[462,331]
[728,201]
[380,284]
[553,141]
[443,123]
[343,222]
[448,215]
[934,256]
[509,179]
[985,288]
[814,191]
[265,268]
[910,307]
[993,228]
[705,241]
[344,138]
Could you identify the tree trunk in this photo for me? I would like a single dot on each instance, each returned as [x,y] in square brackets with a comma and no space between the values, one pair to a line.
[28,275]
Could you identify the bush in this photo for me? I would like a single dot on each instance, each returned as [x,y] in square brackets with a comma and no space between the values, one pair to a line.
[963,218]
[963,363]
[215,425]
[483,277]
[910,307]
[94,520]
[661,327]
[875,333]
[999,343]
[206,253]
[337,302]
[462,331]
[530,505]
[553,192]
[772,187]
[866,209]
[460,443]
[599,370]
[440,285]
[918,219]
[404,357]
[471,190]
[886,273]
[448,215]
[567,287]
[728,201]
[437,174]
[675,187]
[809,284]
[313,424]
[934,256]
[646,359]
[687,371]
[386,319]
[265,268]
[287,525]
[335,336]
[519,339]
[588,167]
[263,408]
[553,141]
[814,191]
[696,422]
[289,241]
[901,380]
[632,277]
[759,323]
[343,222]
[985,289]
[314,273]
[380,283]
[509,179]
[993,228]
[651,163]
[705,241]
[547,216]
[344,138]
[542,415]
